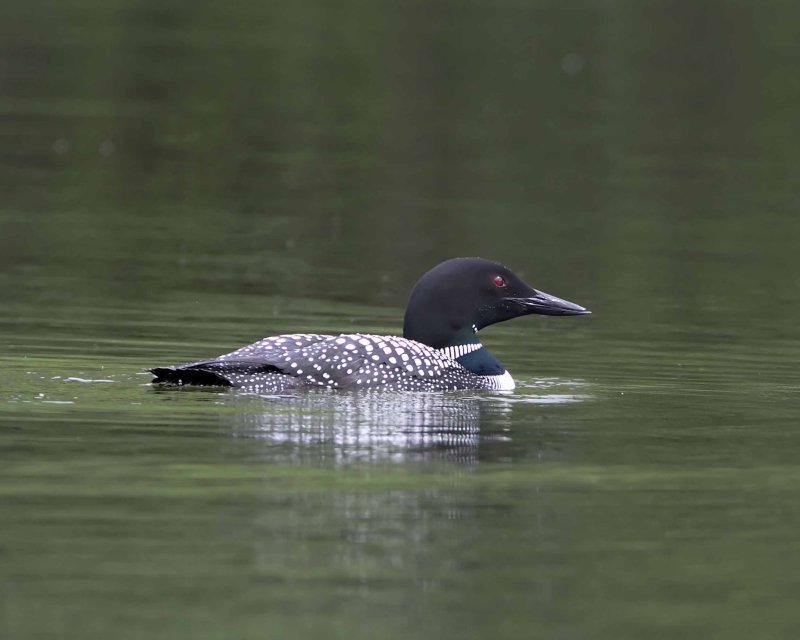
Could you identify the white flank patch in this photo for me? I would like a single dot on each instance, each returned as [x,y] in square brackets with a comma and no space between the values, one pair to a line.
[503,382]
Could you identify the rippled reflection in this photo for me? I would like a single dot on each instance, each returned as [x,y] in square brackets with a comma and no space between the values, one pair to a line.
[342,427]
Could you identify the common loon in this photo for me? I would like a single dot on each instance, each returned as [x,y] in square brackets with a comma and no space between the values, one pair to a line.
[439,349]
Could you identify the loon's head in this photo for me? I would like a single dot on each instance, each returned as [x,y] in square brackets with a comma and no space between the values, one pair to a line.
[463,295]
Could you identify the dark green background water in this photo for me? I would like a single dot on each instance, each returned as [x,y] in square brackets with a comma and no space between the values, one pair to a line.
[178,179]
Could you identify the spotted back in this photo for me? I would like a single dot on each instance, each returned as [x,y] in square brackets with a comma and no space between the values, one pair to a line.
[363,360]
[276,346]
[345,361]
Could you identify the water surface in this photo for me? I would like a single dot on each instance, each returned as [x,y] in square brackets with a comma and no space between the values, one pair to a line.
[179,180]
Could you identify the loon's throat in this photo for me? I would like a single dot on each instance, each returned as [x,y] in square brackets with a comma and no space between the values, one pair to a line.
[480,361]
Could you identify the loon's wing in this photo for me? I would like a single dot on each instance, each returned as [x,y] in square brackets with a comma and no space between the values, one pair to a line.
[363,360]
[346,361]
[229,370]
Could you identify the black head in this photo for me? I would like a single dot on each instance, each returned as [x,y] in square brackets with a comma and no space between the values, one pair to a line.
[462,295]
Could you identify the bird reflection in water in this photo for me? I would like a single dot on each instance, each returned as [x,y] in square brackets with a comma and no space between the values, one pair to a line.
[319,426]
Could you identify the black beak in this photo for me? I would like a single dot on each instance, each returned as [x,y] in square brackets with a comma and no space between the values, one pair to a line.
[547,305]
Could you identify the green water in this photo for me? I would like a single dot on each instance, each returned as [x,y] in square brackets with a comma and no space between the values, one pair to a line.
[180,179]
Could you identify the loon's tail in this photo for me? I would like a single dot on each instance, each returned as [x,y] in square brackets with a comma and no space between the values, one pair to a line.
[181,376]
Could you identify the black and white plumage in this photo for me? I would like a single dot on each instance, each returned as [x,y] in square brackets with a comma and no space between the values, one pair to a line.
[347,361]
[439,349]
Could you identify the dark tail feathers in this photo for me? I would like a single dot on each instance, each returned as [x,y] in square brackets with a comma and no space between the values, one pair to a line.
[171,375]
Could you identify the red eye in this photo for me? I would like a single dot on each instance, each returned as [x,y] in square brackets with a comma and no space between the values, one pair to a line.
[499,281]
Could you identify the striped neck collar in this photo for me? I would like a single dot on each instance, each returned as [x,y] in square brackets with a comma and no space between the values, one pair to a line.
[456,351]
